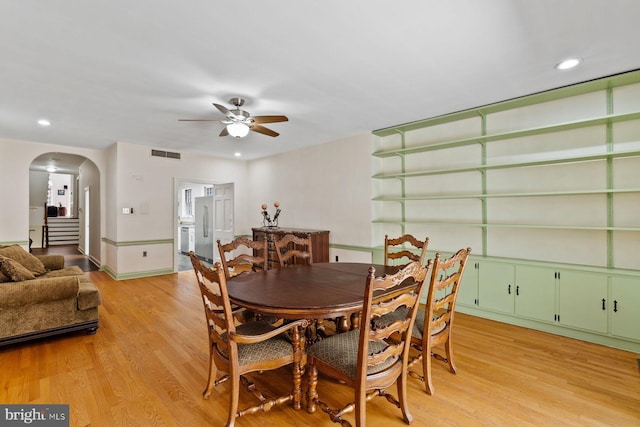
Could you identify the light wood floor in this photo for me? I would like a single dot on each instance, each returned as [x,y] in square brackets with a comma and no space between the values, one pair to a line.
[147,366]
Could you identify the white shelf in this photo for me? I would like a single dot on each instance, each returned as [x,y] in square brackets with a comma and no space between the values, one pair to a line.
[489,196]
[595,121]
[526,163]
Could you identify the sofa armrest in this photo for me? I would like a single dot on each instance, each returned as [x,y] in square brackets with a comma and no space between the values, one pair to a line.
[28,292]
[52,262]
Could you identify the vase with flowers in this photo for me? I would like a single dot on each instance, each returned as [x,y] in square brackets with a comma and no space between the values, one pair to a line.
[267,221]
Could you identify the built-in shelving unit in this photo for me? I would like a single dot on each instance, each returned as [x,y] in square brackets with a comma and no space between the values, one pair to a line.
[465,142]
[549,181]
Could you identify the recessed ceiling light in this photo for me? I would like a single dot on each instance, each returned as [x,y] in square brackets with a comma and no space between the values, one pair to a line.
[568,63]
[237,154]
[44,122]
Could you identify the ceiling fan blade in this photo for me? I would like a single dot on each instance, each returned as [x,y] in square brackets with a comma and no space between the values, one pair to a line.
[224,132]
[269,119]
[263,130]
[224,110]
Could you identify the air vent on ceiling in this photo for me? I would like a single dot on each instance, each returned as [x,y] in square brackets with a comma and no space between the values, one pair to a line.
[168,154]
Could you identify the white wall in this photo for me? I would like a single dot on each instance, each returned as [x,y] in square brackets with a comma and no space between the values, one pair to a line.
[326,186]
[38,188]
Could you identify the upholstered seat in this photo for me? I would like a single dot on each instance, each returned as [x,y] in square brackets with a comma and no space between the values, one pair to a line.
[341,353]
[275,348]
[418,326]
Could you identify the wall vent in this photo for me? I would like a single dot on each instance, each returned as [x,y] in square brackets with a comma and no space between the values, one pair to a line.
[168,154]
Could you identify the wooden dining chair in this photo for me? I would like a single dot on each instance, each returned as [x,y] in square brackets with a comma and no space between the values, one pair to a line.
[434,323]
[292,249]
[367,359]
[250,255]
[404,253]
[249,347]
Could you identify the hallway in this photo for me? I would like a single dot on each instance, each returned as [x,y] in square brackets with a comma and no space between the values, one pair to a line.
[71,256]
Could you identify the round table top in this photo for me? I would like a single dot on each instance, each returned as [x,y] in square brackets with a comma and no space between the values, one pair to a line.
[317,291]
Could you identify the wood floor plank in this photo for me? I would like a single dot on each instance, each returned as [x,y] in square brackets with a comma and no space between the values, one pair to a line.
[147,366]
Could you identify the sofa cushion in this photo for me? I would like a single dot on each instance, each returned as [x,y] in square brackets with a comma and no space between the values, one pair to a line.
[52,262]
[72,270]
[14,270]
[31,262]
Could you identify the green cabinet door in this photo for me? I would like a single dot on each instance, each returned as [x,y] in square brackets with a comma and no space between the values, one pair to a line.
[496,286]
[583,300]
[536,293]
[625,300]
[468,292]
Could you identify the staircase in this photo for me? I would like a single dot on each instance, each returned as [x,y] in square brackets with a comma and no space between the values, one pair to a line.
[63,231]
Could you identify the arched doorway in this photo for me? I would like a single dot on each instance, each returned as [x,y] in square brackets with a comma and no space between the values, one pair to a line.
[58,186]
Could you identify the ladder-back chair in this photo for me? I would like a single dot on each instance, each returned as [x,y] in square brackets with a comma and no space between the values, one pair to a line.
[249,347]
[250,255]
[391,256]
[367,359]
[292,249]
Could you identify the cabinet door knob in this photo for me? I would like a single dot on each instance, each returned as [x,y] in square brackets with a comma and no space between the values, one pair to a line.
[509,289]
[615,306]
[604,307]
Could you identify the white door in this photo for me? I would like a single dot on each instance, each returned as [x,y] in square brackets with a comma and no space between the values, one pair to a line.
[223,201]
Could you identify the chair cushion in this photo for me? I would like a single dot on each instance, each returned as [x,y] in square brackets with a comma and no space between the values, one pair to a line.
[273,348]
[340,351]
[401,313]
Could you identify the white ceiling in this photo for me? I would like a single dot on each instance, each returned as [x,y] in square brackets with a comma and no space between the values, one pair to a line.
[104,71]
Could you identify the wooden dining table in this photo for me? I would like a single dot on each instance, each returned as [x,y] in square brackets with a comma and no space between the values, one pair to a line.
[313,292]
[317,291]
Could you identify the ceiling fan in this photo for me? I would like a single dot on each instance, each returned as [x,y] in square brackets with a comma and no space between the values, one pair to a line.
[239,122]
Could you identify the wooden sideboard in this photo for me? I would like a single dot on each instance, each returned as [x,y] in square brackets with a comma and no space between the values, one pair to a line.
[319,241]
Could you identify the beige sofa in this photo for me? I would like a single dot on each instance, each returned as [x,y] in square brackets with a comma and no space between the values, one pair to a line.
[39,297]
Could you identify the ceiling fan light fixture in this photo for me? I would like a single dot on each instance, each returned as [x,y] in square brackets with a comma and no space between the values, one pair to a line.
[238,130]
